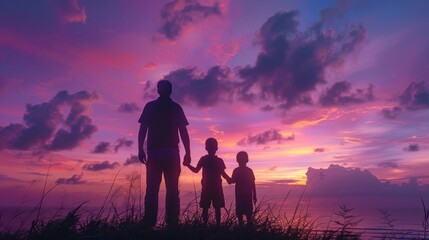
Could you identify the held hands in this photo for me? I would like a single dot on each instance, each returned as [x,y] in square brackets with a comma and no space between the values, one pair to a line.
[142,156]
[187,160]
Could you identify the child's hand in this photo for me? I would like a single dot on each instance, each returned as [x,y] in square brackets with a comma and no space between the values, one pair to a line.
[229,180]
[254,199]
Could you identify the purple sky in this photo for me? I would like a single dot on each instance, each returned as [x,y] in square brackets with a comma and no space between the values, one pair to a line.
[337,89]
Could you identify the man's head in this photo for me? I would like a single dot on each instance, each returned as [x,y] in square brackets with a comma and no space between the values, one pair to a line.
[242,158]
[211,145]
[164,88]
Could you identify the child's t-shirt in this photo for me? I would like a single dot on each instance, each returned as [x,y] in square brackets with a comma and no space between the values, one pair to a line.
[212,170]
[244,180]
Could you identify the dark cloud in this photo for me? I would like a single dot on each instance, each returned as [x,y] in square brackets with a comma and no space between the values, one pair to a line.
[46,127]
[415,97]
[95,167]
[178,14]
[133,159]
[340,94]
[73,180]
[292,63]
[414,147]
[340,181]
[265,137]
[204,90]
[267,108]
[272,169]
[283,181]
[391,113]
[128,107]
[392,163]
[122,142]
[102,147]
[319,150]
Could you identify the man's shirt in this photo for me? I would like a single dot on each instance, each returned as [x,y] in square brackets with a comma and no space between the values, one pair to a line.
[163,117]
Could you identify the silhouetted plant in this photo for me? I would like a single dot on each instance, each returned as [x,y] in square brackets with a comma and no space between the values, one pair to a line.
[348,220]
[425,219]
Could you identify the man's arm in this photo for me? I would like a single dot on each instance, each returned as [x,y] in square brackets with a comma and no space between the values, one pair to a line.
[185,140]
[142,138]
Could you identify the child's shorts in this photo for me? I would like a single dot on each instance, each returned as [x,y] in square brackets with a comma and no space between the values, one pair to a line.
[212,194]
[243,205]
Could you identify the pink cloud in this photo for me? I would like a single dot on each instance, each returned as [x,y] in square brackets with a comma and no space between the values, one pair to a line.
[70,11]
[225,51]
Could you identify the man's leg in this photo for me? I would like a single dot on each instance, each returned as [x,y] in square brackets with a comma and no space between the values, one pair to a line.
[217,215]
[172,200]
[153,180]
[205,215]
[249,220]
[240,219]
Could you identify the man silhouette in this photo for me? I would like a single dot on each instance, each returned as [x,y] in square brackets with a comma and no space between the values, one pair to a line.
[162,119]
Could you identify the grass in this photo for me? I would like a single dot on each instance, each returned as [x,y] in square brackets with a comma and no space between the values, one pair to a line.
[270,222]
[127,225]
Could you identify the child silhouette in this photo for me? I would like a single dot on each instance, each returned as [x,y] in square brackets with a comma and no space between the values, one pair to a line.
[213,168]
[245,189]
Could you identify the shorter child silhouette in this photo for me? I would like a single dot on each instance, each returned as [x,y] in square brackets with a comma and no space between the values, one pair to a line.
[245,189]
[213,168]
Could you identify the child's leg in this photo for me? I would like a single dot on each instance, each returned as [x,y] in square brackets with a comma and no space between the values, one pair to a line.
[217,214]
[205,215]
[240,219]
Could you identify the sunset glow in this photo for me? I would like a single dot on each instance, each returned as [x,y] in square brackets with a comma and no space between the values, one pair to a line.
[332,94]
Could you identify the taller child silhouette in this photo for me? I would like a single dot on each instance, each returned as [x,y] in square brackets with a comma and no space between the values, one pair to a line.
[162,119]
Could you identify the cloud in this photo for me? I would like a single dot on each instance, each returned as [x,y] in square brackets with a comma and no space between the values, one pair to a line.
[128,107]
[73,180]
[414,147]
[122,142]
[336,181]
[392,113]
[319,150]
[339,94]
[415,97]
[95,167]
[265,137]
[292,63]
[388,164]
[283,181]
[267,108]
[102,147]
[133,159]
[272,169]
[177,15]
[6,178]
[46,127]
[70,11]
[202,89]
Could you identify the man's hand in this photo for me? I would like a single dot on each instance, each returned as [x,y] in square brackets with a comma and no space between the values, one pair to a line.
[142,156]
[186,159]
